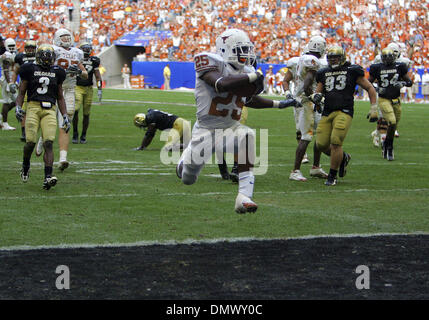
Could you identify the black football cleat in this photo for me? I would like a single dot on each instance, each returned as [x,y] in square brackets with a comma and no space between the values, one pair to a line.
[49,182]
[25,175]
[223,169]
[75,139]
[330,182]
[234,174]
[23,138]
[346,159]
[83,139]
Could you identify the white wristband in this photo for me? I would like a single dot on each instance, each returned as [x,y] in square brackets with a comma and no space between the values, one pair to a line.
[216,84]
[252,77]
[276,103]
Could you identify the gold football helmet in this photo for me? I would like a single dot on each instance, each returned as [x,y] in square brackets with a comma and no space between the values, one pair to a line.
[336,56]
[388,56]
[30,48]
[45,55]
[140,120]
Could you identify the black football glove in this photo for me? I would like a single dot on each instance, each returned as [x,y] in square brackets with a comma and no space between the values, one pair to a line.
[287,103]
[19,113]
[288,95]
[66,123]
[259,82]
[73,70]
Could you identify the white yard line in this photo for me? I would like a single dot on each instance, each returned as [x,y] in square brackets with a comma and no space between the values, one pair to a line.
[207,241]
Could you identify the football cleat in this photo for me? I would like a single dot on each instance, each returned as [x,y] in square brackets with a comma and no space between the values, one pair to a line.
[63,165]
[7,127]
[39,147]
[390,154]
[305,159]
[234,174]
[244,204]
[330,182]
[23,138]
[83,139]
[318,172]
[297,176]
[396,134]
[75,139]
[223,169]
[375,138]
[25,175]
[49,182]
[346,159]
[179,169]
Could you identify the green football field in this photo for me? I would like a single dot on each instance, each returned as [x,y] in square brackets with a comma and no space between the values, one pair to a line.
[111,194]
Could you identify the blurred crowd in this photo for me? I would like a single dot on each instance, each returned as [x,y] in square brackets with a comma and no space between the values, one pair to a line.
[279,29]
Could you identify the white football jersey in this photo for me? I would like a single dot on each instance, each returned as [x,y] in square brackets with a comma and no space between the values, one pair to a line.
[6,57]
[66,58]
[306,63]
[216,110]
[291,65]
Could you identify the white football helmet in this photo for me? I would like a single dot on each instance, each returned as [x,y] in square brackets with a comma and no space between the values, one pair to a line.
[235,47]
[395,48]
[317,44]
[10,45]
[63,38]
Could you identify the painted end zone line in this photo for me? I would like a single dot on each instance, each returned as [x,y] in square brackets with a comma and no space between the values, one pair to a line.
[205,194]
[208,241]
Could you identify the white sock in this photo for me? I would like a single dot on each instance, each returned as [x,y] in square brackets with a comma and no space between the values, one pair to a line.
[246,183]
[63,155]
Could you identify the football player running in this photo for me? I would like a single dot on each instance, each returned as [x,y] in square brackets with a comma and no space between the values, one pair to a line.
[335,89]
[42,83]
[391,76]
[9,91]
[70,59]
[218,77]
[379,134]
[289,88]
[306,69]
[84,91]
[28,56]
[159,120]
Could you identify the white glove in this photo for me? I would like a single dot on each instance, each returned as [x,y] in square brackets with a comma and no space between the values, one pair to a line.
[373,113]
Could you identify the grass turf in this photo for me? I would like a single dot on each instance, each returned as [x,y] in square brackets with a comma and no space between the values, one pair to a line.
[112,194]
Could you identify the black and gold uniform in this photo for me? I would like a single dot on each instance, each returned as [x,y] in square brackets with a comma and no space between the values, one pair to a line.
[84,91]
[391,76]
[42,94]
[159,120]
[335,91]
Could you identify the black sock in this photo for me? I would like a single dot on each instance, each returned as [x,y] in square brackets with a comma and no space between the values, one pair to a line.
[332,174]
[48,171]
[23,131]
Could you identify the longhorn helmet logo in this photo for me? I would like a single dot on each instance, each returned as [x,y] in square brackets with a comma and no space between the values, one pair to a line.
[224,38]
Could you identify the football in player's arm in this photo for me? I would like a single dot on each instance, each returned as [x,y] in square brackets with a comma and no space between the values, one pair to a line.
[335,88]
[223,79]
[390,76]
[42,82]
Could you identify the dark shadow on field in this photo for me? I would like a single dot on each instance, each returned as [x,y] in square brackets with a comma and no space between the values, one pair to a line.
[319,268]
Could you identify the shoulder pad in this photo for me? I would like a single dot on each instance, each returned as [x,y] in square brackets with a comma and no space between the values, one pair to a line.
[310,62]
[292,62]
[207,61]
[357,69]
